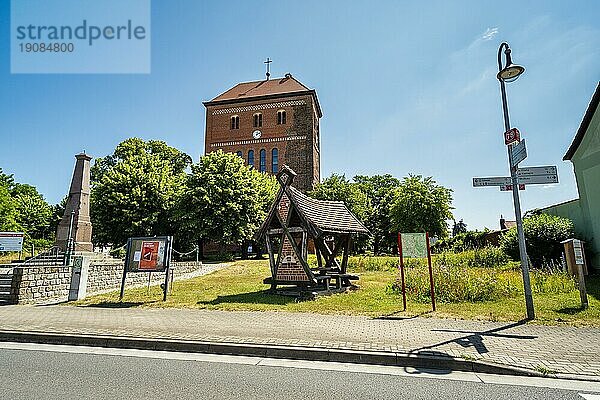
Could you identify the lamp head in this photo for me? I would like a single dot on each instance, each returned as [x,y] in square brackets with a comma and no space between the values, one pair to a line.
[512,71]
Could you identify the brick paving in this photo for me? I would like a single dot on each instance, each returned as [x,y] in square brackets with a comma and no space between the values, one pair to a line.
[561,349]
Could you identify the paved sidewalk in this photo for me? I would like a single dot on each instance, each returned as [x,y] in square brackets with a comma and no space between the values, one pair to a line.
[561,349]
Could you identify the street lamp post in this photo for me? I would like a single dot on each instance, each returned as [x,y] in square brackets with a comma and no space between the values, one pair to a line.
[509,73]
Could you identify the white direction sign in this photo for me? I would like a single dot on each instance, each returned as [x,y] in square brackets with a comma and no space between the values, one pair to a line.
[492,181]
[538,175]
[519,153]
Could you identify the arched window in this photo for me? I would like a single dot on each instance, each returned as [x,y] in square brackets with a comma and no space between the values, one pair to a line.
[275,161]
[257,120]
[263,161]
[281,117]
[240,154]
[251,158]
[235,122]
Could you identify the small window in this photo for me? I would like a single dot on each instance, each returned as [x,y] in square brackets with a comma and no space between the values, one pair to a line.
[275,161]
[257,120]
[240,154]
[281,117]
[235,122]
[263,161]
[251,158]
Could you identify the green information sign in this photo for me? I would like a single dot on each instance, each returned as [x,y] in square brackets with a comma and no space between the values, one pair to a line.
[414,245]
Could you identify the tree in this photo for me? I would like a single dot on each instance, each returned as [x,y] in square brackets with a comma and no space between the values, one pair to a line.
[421,205]
[225,201]
[33,212]
[338,188]
[378,189]
[8,211]
[543,234]
[459,227]
[135,189]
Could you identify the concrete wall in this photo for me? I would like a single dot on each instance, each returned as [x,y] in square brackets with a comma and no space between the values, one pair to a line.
[586,163]
[50,284]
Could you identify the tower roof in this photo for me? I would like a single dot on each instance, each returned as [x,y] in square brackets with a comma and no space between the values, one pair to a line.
[277,87]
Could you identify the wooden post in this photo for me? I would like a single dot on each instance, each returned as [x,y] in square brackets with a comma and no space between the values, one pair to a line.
[430,272]
[402,270]
[582,289]
[346,250]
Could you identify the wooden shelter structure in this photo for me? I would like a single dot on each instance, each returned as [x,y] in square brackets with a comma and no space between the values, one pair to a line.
[295,220]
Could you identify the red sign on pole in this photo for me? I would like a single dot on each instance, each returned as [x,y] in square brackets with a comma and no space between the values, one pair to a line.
[511,136]
[508,188]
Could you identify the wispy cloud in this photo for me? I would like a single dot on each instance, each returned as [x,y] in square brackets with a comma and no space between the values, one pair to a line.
[489,33]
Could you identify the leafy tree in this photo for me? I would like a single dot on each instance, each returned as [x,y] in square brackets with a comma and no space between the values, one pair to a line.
[543,234]
[338,188]
[225,201]
[459,227]
[421,205]
[8,210]
[134,190]
[378,189]
[33,212]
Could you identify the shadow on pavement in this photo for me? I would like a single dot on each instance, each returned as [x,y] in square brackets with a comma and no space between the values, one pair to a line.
[476,339]
[259,297]
[118,304]
[397,316]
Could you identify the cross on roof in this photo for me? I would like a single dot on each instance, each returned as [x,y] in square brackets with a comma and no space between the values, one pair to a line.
[268,62]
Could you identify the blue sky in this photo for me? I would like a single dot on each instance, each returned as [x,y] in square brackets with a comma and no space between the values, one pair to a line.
[405,87]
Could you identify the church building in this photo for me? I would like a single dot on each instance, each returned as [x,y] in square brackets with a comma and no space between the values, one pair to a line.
[269,123]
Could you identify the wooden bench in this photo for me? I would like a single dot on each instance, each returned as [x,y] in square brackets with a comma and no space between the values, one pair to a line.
[326,279]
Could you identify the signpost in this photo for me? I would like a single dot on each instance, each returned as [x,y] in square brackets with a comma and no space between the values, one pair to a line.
[511,136]
[492,181]
[519,153]
[525,176]
[11,241]
[415,245]
[148,254]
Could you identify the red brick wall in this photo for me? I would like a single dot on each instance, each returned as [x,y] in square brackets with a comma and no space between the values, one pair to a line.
[296,140]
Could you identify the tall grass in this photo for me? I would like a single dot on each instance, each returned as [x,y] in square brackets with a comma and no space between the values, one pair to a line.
[475,284]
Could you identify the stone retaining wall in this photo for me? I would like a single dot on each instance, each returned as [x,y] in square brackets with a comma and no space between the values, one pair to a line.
[50,284]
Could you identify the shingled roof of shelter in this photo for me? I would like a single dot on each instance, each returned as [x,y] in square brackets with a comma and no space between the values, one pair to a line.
[327,216]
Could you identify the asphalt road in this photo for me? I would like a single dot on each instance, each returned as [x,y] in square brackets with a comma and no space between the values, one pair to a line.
[67,372]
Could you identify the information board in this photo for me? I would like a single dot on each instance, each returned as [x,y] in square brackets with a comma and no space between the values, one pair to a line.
[148,254]
[11,241]
[414,245]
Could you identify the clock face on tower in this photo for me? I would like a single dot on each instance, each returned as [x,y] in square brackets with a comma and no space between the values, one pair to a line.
[256,134]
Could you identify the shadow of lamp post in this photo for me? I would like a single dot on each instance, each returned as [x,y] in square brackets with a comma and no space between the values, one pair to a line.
[509,72]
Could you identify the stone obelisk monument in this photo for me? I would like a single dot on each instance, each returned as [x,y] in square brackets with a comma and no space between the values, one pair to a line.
[77,209]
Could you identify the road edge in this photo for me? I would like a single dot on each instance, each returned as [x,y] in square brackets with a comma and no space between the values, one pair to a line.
[414,360]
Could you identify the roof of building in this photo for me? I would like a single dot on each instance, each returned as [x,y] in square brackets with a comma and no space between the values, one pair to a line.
[318,216]
[585,123]
[277,87]
[327,216]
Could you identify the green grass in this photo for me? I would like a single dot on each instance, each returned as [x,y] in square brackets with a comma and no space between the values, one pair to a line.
[240,287]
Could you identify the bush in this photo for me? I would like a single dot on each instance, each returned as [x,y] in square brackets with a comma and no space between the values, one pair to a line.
[543,234]
[467,284]
[488,257]
[470,240]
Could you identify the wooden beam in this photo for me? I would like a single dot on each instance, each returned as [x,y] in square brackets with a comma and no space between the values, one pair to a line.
[279,231]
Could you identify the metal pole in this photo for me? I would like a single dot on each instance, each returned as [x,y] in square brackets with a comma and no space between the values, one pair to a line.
[431,285]
[402,270]
[516,200]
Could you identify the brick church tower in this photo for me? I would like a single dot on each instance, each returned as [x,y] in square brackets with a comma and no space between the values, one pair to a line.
[269,124]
